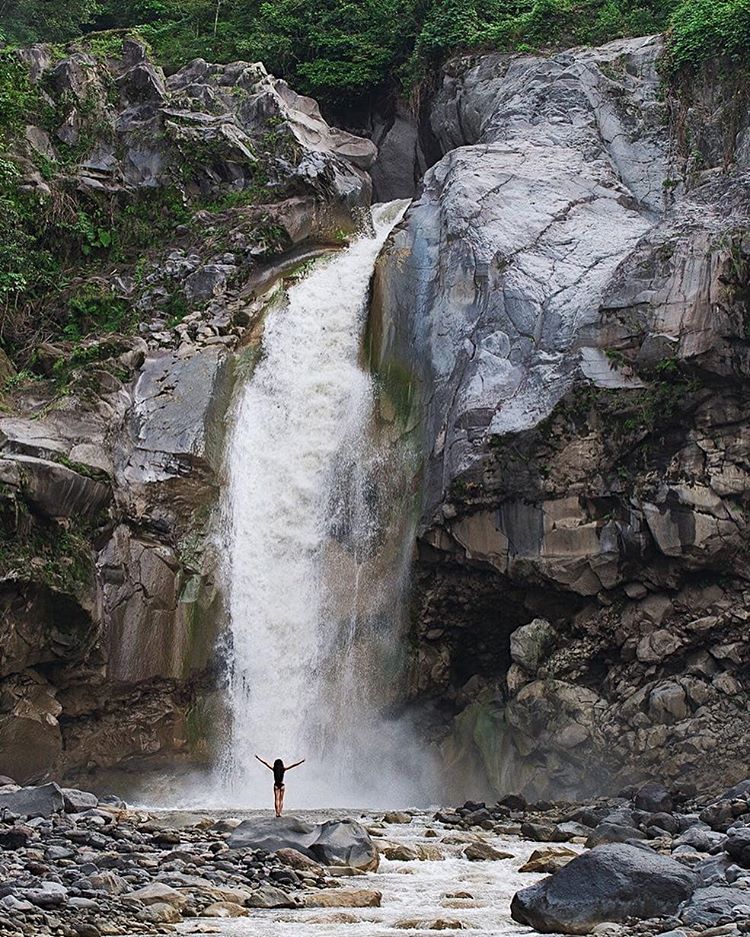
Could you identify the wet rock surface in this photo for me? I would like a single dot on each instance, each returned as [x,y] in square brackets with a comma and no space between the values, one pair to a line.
[72,864]
[671,867]
[118,870]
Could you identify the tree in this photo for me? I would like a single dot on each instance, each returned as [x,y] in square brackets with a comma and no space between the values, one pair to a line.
[25,21]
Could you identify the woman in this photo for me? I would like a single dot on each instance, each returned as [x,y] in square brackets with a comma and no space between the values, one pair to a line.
[278,769]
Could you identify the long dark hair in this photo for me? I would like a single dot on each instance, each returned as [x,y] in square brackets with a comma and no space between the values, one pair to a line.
[278,765]
[278,771]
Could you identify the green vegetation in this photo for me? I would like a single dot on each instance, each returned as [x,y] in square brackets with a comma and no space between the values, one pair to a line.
[95,310]
[59,556]
[701,30]
[26,21]
[340,51]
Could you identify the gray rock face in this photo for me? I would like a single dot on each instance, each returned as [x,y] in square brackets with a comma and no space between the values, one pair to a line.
[109,465]
[500,331]
[336,842]
[708,906]
[609,883]
[558,320]
[167,462]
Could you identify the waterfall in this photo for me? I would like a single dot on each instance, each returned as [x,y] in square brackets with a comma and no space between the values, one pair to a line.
[316,557]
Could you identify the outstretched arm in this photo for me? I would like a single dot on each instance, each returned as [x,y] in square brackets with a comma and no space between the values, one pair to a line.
[296,763]
[270,767]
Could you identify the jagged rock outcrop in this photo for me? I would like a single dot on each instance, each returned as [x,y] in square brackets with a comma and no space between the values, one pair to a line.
[218,180]
[560,324]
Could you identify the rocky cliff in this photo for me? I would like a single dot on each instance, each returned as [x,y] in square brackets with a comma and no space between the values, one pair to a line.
[561,327]
[175,205]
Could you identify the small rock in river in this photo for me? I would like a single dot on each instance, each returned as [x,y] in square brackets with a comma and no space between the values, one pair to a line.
[483,852]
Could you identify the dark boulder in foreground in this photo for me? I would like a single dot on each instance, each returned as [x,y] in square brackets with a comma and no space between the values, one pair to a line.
[609,883]
[336,842]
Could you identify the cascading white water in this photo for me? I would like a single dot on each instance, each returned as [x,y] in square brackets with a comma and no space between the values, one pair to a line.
[314,578]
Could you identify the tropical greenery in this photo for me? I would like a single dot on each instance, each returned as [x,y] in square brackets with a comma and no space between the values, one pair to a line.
[343,50]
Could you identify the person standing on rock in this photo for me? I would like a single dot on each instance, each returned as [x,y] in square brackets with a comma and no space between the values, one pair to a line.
[278,768]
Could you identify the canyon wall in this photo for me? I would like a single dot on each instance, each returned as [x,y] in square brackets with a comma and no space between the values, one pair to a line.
[561,326]
[559,329]
[111,441]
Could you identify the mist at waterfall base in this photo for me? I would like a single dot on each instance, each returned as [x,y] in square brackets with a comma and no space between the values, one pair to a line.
[316,537]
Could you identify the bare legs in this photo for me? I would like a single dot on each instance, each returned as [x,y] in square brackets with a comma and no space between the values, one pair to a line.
[278,800]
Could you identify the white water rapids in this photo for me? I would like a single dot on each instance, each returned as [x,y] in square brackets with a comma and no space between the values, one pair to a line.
[315,572]
[451,895]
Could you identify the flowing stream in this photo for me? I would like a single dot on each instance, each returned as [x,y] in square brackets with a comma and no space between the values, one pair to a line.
[316,557]
[419,898]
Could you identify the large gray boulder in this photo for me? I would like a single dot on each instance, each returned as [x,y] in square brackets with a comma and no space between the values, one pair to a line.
[335,842]
[347,843]
[40,801]
[609,883]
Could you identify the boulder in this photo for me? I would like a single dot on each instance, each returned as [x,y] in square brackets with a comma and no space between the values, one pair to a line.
[612,833]
[708,905]
[42,801]
[297,860]
[345,843]
[268,896]
[143,83]
[654,798]
[737,845]
[741,789]
[400,852]
[16,837]
[531,643]
[544,833]
[47,895]
[548,860]
[483,852]
[609,883]
[334,843]
[160,912]
[343,898]
[429,853]
[429,925]
[159,893]
[699,839]
[397,816]
[224,909]
[77,801]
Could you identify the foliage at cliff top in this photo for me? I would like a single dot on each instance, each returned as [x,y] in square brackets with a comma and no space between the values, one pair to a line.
[341,50]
